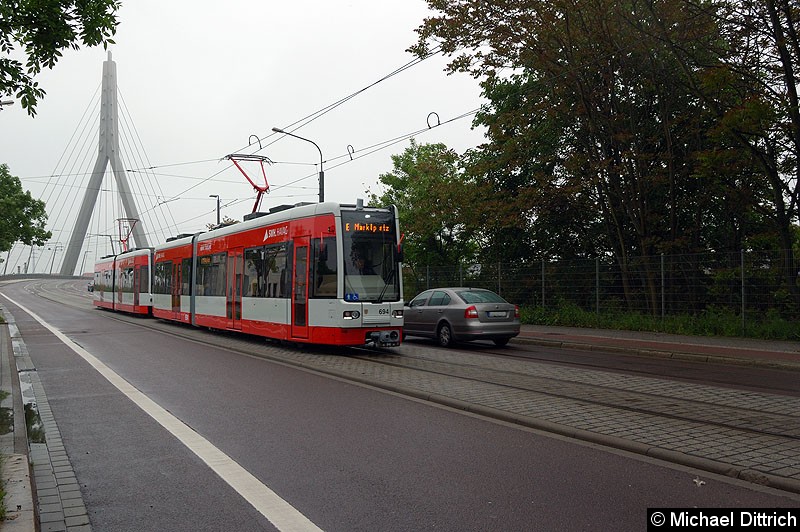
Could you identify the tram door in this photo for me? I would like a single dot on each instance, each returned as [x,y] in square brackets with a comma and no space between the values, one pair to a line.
[137,278]
[176,290]
[118,288]
[300,288]
[234,303]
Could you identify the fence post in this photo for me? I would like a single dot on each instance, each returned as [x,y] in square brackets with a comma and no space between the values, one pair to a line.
[597,284]
[663,298]
[741,261]
[499,292]
[543,283]
[460,274]
[427,276]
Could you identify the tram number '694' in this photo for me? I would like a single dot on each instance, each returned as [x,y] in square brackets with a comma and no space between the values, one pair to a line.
[382,311]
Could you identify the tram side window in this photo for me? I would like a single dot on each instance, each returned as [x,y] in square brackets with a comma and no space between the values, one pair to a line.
[162,282]
[99,281]
[186,276]
[102,280]
[144,278]
[126,280]
[254,282]
[211,271]
[277,271]
[324,267]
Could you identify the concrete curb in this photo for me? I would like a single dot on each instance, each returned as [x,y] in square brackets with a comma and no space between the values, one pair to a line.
[16,472]
[19,494]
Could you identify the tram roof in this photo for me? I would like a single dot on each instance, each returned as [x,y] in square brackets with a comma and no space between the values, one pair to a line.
[276,215]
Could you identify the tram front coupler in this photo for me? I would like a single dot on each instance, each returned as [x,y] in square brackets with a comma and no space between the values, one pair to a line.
[385,338]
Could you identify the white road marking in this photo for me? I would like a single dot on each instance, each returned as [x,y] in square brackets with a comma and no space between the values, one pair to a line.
[279,512]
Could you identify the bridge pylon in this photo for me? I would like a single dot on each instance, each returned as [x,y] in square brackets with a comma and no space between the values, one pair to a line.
[109,151]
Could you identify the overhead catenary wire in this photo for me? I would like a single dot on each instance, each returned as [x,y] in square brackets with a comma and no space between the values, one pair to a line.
[298,124]
[294,126]
[153,184]
[351,156]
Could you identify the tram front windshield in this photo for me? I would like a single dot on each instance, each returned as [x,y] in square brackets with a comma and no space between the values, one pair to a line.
[370,256]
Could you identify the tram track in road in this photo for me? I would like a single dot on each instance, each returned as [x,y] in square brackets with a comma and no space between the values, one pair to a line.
[64,289]
[765,414]
[780,381]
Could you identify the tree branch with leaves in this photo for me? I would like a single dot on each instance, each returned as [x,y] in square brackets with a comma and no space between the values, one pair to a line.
[34,33]
[23,218]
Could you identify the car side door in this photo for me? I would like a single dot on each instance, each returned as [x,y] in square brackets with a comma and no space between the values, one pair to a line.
[413,318]
[434,311]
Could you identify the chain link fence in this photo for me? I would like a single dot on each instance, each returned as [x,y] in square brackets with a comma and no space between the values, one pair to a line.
[749,284]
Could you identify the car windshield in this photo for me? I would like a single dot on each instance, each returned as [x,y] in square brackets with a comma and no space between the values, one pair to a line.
[370,260]
[479,296]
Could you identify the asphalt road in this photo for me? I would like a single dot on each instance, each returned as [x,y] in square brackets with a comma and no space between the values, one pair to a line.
[347,456]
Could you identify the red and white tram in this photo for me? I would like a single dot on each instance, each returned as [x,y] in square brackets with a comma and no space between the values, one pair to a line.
[316,273]
[172,277]
[122,282]
[103,292]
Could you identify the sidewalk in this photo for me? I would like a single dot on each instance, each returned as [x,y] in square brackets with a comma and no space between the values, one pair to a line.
[740,351]
[43,494]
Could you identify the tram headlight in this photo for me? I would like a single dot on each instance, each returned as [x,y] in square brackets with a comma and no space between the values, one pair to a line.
[351,314]
[397,313]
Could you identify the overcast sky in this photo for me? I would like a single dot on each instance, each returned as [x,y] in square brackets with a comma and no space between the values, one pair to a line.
[198,78]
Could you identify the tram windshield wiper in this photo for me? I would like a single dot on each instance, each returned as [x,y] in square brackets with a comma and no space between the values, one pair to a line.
[386,285]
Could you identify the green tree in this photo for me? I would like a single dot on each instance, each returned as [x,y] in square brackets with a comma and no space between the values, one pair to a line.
[23,219]
[752,87]
[529,206]
[596,131]
[39,30]
[433,200]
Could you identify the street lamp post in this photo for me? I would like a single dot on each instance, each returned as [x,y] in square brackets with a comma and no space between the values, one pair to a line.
[110,239]
[321,172]
[83,262]
[216,196]
[56,247]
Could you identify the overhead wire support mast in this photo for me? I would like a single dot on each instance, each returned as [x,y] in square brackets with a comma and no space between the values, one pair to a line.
[321,171]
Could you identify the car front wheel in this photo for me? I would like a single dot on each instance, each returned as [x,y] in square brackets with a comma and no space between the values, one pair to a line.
[445,335]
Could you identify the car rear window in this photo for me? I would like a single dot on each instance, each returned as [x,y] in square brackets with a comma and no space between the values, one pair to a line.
[439,299]
[480,296]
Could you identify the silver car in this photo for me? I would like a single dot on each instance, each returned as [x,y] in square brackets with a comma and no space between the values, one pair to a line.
[461,314]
